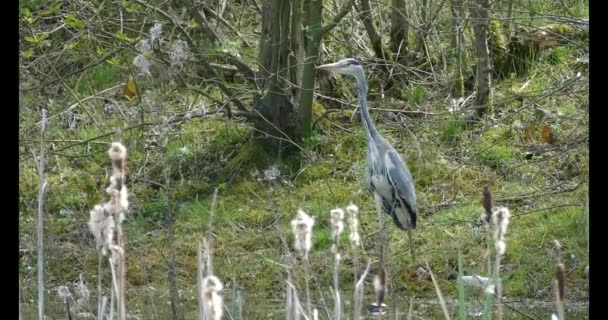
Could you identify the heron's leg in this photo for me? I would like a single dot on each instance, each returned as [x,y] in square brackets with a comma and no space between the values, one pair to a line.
[382,238]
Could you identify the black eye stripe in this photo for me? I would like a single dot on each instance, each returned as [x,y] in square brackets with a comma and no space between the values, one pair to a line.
[353,62]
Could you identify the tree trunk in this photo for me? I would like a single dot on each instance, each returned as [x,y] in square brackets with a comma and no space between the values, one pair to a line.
[457,10]
[314,16]
[365,14]
[480,11]
[274,105]
[297,49]
[399,26]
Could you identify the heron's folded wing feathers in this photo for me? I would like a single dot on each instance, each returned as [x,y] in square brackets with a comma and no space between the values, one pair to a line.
[401,179]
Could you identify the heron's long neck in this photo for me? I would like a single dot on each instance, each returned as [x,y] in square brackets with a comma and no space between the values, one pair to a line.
[367,120]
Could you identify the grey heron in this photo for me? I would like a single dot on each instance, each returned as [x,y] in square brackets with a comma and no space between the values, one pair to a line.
[387,176]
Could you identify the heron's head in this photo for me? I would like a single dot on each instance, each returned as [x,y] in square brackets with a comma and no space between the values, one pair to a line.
[348,66]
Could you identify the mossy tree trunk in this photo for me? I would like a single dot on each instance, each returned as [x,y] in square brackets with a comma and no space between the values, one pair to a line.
[400,26]
[314,12]
[480,17]
[292,31]
[274,104]
[365,14]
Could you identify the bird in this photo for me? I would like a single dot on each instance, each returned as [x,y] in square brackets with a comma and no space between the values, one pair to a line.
[387,176]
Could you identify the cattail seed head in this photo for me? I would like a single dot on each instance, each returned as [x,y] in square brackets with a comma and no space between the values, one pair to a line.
[501,221]
[302,231]
[64,293]
[213,302]
[117,151]
[101,225]
[490,289]
[353,222]
[337,226]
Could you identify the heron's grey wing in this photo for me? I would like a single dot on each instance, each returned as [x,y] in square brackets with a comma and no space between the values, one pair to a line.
[401,180]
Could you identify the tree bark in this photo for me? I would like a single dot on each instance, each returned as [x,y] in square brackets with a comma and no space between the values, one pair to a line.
[365,14]
[314,14]
[274,61]
[480,11]
[399,26]
[457,10]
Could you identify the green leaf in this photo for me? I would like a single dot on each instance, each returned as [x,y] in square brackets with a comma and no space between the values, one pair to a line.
[27,54]
[37,38]
[71,46]
[114,61]
[191,24]
[124,37]
[134,7]
[52,10]
[26,15]
[71,21]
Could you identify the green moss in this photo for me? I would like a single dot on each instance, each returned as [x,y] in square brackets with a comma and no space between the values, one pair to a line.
[495,155]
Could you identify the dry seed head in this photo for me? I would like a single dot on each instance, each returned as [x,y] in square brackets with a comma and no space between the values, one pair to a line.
[101,225]
[501,221]
[352,209]
[123,200]
[64,293]
[337,226]
[302,231]
[213,302]
[490,289]
[354,237]
[117,151]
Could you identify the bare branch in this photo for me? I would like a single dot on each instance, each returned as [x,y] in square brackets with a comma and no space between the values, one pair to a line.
[345,10]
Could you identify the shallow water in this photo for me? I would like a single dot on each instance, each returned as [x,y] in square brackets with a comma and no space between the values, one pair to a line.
[513,310]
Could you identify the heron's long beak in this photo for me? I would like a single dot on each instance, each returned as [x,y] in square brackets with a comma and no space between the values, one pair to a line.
[328,67]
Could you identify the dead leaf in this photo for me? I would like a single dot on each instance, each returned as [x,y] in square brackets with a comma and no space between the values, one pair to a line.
[547,134]
[130,88]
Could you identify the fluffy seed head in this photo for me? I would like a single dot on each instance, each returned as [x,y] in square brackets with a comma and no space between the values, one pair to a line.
[501,221]
[213,302]
[337,226]
[101,225]
[302,231]
[117,151]
[353,222]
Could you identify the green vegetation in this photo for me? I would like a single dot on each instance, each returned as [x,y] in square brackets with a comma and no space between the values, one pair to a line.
[184,140]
